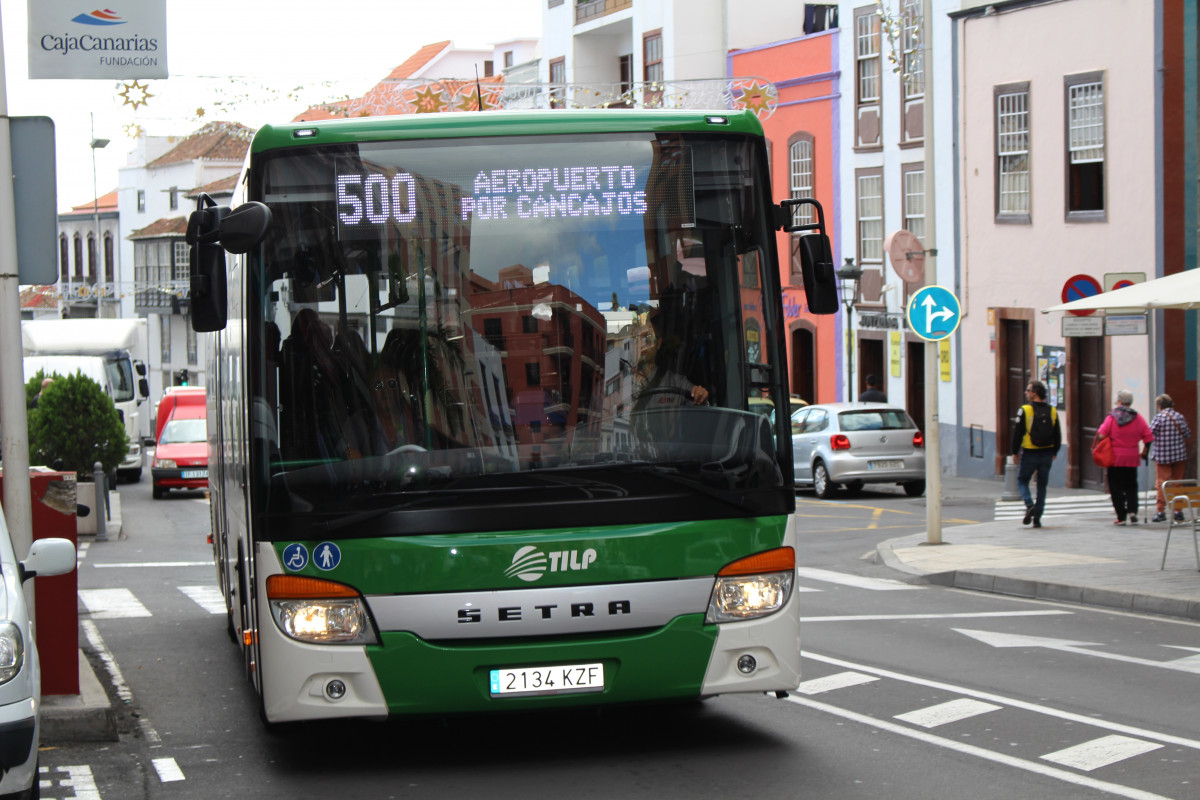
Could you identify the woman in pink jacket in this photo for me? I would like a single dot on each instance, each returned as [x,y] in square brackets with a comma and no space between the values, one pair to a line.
[1128,430]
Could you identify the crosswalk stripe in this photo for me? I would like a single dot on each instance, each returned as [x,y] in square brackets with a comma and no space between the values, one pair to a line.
[167,769]
[1065,506]
[1101,752]
[829,683]
[112,604]
[207,597]
[857,581]
[945,713]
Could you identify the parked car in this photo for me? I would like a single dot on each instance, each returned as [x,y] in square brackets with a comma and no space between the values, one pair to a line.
[181,451]
[765,406]
[852,444]
[20,672]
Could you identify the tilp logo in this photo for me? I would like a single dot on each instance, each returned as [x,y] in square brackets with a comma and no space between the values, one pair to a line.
[98,17]
[529,563]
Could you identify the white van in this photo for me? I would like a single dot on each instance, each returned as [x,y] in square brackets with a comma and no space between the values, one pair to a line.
[103,349]
[20,671]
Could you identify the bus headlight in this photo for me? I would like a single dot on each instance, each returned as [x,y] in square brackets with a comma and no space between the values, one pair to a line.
[12,651]
[753,587]
[319,611]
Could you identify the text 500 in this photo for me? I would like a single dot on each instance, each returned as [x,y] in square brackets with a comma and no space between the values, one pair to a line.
[376,198]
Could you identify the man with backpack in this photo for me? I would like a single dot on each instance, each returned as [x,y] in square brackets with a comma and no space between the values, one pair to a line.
[1036,440]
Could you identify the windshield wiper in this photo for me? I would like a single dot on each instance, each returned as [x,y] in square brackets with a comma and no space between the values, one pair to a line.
[591,489]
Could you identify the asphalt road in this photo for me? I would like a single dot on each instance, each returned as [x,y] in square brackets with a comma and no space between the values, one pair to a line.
[909,691]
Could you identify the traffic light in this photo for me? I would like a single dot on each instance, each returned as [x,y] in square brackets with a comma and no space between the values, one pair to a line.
[183,377]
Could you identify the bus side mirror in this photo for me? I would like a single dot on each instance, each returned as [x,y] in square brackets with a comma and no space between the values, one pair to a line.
[816,257]
[244,227]
[206,260]
[212,231]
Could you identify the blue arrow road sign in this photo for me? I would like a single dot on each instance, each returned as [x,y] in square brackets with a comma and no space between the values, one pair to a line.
[934,312]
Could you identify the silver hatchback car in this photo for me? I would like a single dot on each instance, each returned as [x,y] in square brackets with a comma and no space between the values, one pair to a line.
[852,444]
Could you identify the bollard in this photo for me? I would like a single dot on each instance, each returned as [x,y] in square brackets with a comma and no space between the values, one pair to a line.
[101,499]
[1011,492]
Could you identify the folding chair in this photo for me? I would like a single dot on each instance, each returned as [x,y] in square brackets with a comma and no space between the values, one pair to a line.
[1182,496]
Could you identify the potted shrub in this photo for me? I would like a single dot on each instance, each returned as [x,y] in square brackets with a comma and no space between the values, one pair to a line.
[74,422]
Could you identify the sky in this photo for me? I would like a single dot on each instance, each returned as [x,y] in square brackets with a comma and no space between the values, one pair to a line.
[250,61]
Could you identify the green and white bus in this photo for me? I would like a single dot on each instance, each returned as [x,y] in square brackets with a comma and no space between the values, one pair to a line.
[479,411]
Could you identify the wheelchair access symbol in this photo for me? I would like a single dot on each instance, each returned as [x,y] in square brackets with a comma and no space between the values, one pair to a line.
[934,313]
[295,557]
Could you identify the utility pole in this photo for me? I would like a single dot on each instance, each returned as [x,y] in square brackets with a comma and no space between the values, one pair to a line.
[933,438]
[15,446]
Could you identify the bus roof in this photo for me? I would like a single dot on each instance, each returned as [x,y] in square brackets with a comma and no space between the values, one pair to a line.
[501,123]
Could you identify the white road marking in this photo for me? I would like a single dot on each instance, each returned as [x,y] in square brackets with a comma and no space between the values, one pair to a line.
[831,683]
[1185,664]
[945,713]
[154,564]
[207,597]
[964,615]
[857,581]
[1064,506]
[80,780]
[979,752]
[167,770]
[1101,752]
[114,674]
[1010,702]
[112,604]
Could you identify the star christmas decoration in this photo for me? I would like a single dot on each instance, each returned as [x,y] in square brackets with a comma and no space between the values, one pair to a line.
[430,101]
[135,94]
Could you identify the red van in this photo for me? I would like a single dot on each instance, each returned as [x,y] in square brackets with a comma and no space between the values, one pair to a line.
[181,449]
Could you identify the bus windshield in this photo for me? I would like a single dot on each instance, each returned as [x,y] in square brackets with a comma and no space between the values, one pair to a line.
[555,320]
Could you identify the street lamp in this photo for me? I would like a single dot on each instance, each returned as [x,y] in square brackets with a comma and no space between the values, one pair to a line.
[848,290]
[96,144]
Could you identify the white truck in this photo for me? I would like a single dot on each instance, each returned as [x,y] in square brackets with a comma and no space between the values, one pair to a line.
[111,352]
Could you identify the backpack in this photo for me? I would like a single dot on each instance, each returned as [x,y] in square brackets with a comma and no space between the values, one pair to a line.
[1040,422]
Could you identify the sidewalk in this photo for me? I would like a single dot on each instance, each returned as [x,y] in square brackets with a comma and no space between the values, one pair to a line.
[87,716]
[1077,556]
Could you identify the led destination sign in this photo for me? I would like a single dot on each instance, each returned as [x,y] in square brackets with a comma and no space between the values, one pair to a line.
[370,196]
[373,198]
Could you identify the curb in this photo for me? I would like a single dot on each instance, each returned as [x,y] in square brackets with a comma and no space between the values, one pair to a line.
[83,717]
[1052,591]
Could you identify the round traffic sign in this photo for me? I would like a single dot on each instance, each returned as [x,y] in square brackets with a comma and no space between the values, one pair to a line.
[1078,287]
[934,312]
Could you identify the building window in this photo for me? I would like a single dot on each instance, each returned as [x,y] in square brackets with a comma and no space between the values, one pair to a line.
[182,262]
[93,265]
[109,266]
[868,69]
[64,258]
[508,58]
[1012,153]
[533,373]
[800,171]
[869,215]
[1085,146]
[625,74]
[164,334]
[800,184]
[913,176]
[78,242]
[488,68]
[912,76]
[652,68]
[173,198]
[141,201]
[558,80]
[529,324]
